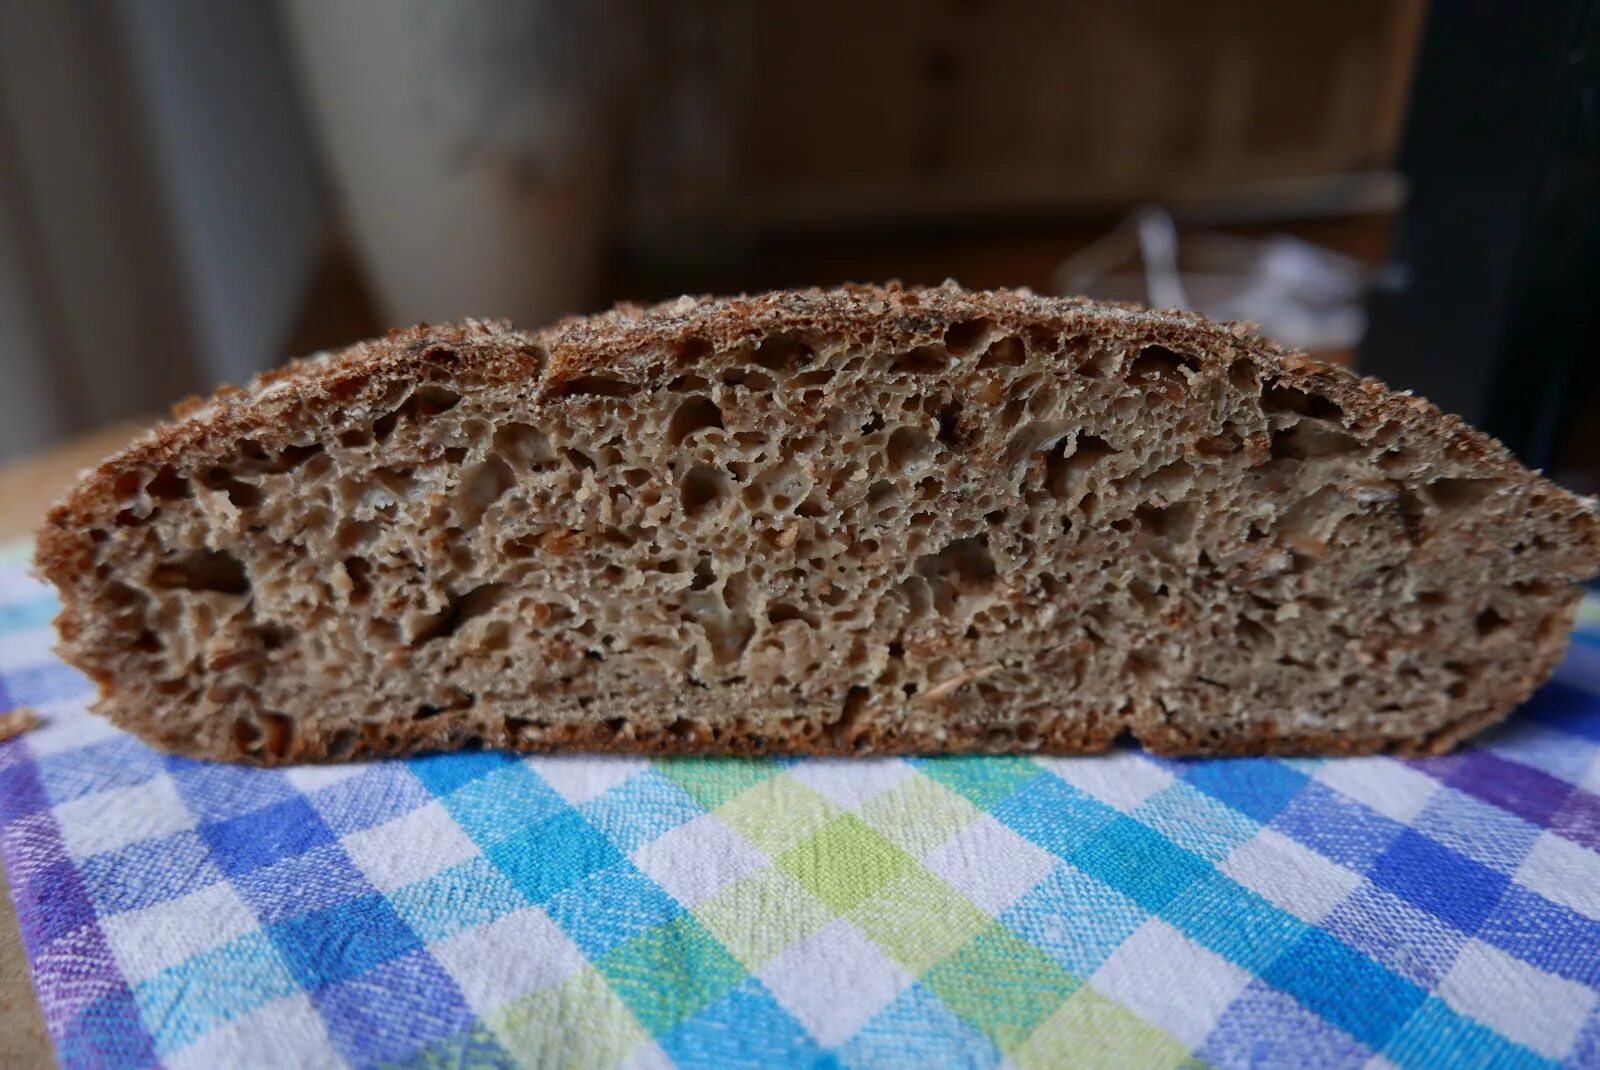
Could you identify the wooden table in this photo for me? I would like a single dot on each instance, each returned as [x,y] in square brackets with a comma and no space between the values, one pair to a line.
[27,488]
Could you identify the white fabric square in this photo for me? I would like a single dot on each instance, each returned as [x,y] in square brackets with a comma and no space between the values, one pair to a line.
[850,782]
[647,1056]
[285,1032]
[148,941]
[698,859]
[578,778]
[311,778]
[1533,1008]
[27,648]
[1391,788]
[508,958]
[1591,780]
[107,820]
[410,848]
[1122,779]
[1379,1062]
[66,725]
[1170,981]
[834,981]
[1560,870]
[1291,875]
[990,864]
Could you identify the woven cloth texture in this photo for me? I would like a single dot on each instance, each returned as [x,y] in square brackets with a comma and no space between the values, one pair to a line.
[485,909]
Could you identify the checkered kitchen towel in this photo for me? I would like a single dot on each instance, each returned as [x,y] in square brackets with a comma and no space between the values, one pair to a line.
[486,910]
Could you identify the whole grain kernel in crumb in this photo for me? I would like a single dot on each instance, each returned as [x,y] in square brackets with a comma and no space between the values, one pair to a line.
[15,722]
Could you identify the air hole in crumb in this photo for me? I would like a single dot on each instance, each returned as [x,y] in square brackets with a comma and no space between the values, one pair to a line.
[458,610]
[246,735]
[359,570]
[702,488]
[277,735]
[1292,401]
[908,450]
[949,421]
[342,744]
[694,414]
[1455,495]
[692,350]
[1007,352]
[1432,598]
[1253,632]
[428,400]
[963,339]
[705,574]
[1156,364]
[484,484]
[923,360]
[1098,364]
[1303,439]
[204,570]
[578,459]
[782,353]
[1489,622]
[778,612]
[602,386]
[1174,522]
[1065,471]
[355,438]
[168,485]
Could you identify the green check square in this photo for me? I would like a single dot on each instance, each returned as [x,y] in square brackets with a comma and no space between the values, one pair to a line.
[778,813]
[761,916]
[581,1018]
[918,918]
[980,779]
[713,781]
[670,972]
[1002,985]
[918,814]
[844,861]
[1092,1031]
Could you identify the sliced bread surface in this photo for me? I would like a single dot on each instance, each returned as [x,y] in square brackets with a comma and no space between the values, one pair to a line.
[853,521]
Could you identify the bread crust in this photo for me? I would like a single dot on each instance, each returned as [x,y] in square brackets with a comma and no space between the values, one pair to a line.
[643,344]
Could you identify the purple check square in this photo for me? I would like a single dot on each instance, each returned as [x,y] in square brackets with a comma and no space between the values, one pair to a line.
[1579,819]
[107,1033]
[53,902]
[21,793]
[1520,789]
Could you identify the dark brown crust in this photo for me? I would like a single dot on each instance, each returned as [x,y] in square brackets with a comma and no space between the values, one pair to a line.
[638,342]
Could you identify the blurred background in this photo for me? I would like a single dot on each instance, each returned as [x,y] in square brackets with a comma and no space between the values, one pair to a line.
[191,191]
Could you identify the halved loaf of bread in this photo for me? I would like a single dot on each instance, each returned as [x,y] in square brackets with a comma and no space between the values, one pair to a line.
[858,521]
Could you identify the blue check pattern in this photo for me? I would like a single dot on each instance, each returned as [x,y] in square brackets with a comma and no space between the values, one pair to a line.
[492,910]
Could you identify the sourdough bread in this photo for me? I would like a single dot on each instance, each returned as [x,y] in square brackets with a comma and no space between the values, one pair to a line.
[855,521]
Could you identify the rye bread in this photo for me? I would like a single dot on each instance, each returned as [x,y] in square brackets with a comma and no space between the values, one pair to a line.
[854,521]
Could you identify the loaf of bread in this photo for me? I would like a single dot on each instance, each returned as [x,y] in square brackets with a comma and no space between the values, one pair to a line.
[848,522]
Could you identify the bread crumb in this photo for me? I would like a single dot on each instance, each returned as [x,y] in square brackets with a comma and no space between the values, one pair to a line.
[17,721]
